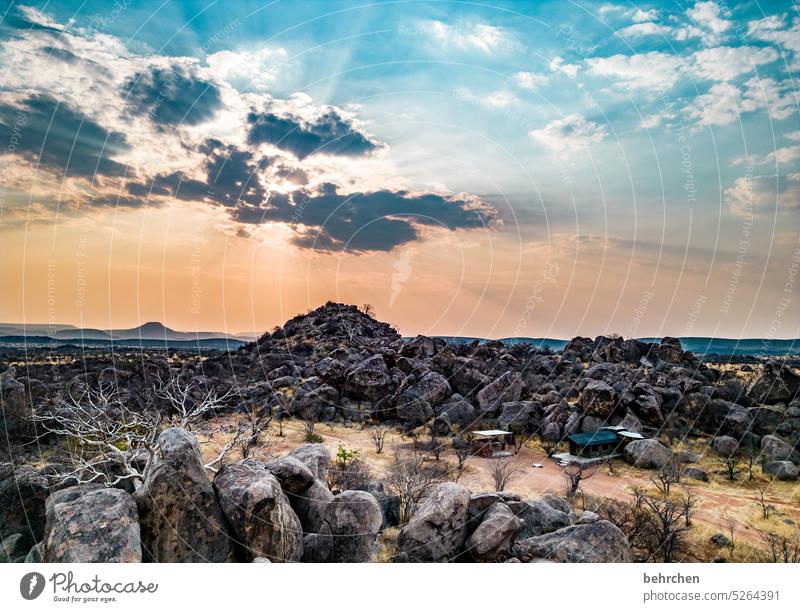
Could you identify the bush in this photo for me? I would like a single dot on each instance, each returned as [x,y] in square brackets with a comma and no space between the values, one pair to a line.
[348,472]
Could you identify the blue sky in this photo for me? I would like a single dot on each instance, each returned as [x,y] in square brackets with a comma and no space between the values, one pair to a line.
[655,137]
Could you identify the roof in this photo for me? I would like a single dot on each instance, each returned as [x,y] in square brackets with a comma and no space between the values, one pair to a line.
[613,427]
[593,438]
[630,434]
[492,432]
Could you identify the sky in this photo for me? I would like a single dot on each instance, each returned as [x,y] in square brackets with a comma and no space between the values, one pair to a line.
[536,169]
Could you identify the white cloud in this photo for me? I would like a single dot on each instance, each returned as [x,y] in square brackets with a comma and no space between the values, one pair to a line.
[499,99]
[495,100]
[636,15]
[653,70]
[761,195]
[773,29]
[640,16]
[530,80]
[647,28]
[793,135]
[719,106]
[247,70]
[724,102]
[481,36]
[727,63]
[559,65]
[571,134]
[710,17]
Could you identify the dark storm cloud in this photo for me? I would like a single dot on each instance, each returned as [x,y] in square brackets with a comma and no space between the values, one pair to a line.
[231,177]
[60,138]
[171,96]
[331,133]
[374,221]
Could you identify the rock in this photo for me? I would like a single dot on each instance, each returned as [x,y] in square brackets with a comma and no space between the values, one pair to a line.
[556,503]
[587,517]
[316,457]
[23,492]
[631,423]
[13,547]
[331,370]
[778,383]
[294,475]
[460,412]
[523,416]
[92,524]
[696,474]
[16,410]
[261,560]
[782,470]
[506,388]
[369,380]
[432,388]
[352,521]
[719,539]
[647,454]
[389,504]
[437,530]
[179,513]
[539,517]
[495,535]
[598,542]
[259,513]
[598,399]
[775,449]
[725,446]
[311,504]
[35,554]
[591,424]
[314,404]
[414,412]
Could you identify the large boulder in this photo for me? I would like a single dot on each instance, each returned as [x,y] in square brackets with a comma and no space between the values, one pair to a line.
[495,535]
[370,379]
[14,548]
[647,454]
[315,457]
[539,517]
[438,529]
[775,449]
[459,412]
[294,475]
[777,383]
[782,470]
[596,542]
[352,521]
[725,446]
[92,524]
[179,513]
[311,505]
[505,388]
[521,416]
[599,399]
[259,513]
[432,388]
[314,403]
[23,491]
[15,410]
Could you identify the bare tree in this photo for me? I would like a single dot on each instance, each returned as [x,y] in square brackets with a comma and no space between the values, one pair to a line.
[574,475]
[766,508]
[434,445]
[368,309]
[348,471]
[378,435]
[731,524]
[99,430]
[188,403]
[410,478]
[502,472]
[781,548]
[668,521]
[521,436]
[549,445]
[463,451]
[669,474]
[310,432]
[253,430]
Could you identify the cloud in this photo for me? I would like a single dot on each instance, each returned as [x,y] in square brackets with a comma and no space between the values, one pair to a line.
[647,28]
[559,65]
[329,131]
[711,18]
[172,96]
[773,29]
[727,63]
[652,70]
[371,221]
[571,134]
[724,102]
[56,136]
[762,195]
[469,36]
[253,70]
[530,80]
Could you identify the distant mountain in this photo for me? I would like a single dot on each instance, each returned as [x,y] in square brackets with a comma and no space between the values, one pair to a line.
[149,331]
